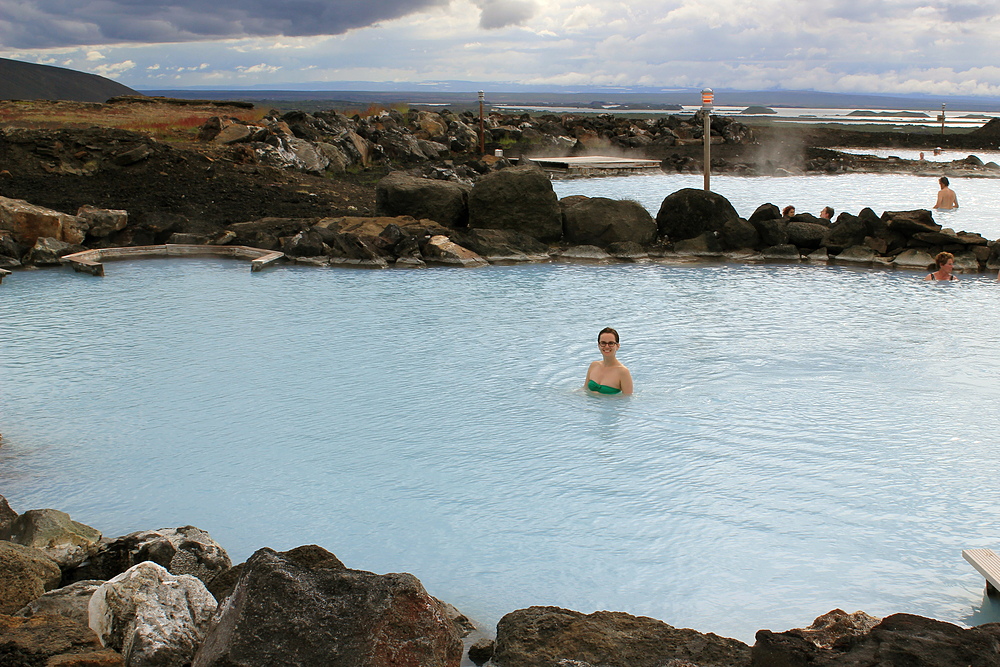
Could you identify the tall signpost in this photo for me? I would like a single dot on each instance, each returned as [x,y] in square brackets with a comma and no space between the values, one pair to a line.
[482,134]
[941,118]
[706,105]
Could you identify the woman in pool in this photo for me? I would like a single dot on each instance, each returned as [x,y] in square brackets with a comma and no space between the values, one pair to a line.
[608,376]
[945,263]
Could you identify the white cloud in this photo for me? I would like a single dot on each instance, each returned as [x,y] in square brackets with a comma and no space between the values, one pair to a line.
[114,69]
[95,55]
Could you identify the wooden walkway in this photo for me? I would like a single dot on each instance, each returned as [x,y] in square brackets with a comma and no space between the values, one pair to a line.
[90,261]
[594,165]
[987,563]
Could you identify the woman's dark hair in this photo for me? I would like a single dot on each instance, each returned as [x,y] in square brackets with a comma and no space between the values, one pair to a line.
[610,331]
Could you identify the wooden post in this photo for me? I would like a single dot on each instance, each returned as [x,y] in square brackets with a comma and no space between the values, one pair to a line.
[482,134]
[706,106]
[942,120]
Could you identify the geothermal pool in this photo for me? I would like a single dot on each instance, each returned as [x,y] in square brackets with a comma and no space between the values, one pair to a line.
[978,198]
[802,438]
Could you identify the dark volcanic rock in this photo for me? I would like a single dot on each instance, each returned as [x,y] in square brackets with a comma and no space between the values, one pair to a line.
[184,550]
[305,608]
[910,222]
[772,231]
[600,221]
[690,212]
[445,202]
[806,234]
[765,212]
[543,636]
[849,230]
[740,233]
[899,640]
[519,198]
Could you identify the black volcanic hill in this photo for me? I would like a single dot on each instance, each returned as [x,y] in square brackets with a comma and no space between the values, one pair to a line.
[27,81]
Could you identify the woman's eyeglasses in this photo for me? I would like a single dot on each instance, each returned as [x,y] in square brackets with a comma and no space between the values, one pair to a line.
[608,343]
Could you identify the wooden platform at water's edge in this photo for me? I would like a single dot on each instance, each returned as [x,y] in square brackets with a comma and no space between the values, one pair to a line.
[594,165]
[987,563]
[89,261]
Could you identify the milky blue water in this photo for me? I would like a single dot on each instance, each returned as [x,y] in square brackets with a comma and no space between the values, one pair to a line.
[978,198]
[801,438]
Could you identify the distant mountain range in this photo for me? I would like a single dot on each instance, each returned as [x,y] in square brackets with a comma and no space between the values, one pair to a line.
[465,93]
[27,81]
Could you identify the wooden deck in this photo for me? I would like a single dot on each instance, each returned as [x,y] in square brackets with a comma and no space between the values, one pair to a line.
[987,563]
[90,261]
[594,165]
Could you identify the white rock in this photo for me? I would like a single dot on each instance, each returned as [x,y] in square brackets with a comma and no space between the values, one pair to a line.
[152,617]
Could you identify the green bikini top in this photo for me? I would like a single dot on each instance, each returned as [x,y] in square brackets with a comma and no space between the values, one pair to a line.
[602,389]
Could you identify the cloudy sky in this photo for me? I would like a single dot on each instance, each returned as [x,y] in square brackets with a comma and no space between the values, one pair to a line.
[872,46]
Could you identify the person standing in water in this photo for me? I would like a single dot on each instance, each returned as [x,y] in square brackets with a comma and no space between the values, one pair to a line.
[946,199]
[945,263]
[608,376]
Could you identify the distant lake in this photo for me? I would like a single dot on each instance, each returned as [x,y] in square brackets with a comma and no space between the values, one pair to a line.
[802,438]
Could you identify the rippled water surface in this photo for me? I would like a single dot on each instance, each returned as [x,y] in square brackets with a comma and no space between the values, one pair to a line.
[802,438]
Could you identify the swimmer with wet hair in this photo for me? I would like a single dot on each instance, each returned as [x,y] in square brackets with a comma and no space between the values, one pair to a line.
[608,376]
[827,213]
[945,262]
[946,199]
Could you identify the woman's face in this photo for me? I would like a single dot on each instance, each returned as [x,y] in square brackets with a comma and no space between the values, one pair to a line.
[948,266]
[606,342]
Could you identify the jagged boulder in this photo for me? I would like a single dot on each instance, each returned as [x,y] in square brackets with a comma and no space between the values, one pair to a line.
[688,213]
[913,259]
[772,231]
[54,533]
[545,636]
[299,608]
[806,234]
[900,639]
[52,641]
[47,251]
[739,233]
[28,222]
[7,516]
[849,230]
[600,221]
[102,221]
[444,202]
[153,618]
[765,212]
[266,233]
[909,223]
[304,244]
[442,250]
[25,575]
[184,550]
[517,198]
[70,601]
[503,245]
